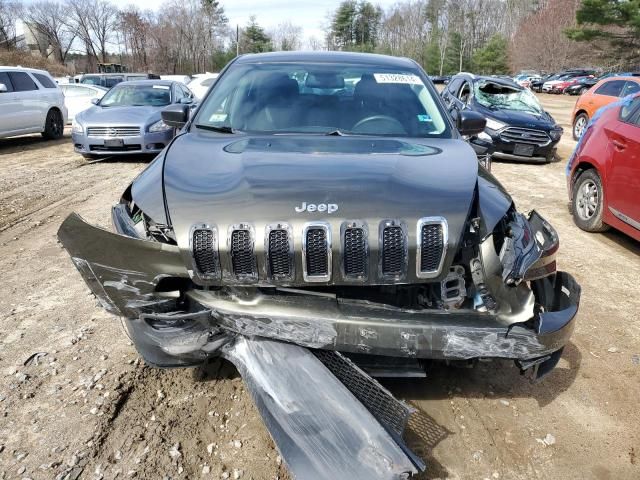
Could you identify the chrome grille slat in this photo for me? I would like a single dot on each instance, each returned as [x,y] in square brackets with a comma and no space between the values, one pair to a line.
[113,131]
[525,135]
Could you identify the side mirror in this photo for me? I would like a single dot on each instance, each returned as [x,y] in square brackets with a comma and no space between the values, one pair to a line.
[175,115]
[470,123]
[95,101]
[3,88]
[185,101]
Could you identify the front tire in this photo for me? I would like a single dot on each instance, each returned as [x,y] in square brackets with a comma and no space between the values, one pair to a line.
[53,125]
[587,202]
[579,126]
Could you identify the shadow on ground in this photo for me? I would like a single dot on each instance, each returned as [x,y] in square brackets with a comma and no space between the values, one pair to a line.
[30,142]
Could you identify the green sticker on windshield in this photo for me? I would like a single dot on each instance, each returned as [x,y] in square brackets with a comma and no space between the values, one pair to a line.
[424,118]
[218,117]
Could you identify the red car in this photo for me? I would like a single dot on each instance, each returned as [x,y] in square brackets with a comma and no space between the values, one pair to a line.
[604,171]
[562,86]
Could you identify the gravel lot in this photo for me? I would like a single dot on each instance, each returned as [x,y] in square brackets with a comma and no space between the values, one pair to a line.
[86,406]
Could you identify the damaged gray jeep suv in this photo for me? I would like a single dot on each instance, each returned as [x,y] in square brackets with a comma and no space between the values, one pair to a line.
[320,214]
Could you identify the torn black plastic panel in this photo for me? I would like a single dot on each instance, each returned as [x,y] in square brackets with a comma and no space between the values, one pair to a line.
[320,428]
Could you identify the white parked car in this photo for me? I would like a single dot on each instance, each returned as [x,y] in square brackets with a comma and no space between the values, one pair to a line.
[78,97]
[184,79]
[201,83]
[30,102]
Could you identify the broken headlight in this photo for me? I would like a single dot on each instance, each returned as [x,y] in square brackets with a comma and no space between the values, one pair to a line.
[128,219]
[528,247]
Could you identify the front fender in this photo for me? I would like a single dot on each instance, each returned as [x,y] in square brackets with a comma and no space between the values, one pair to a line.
[122,272]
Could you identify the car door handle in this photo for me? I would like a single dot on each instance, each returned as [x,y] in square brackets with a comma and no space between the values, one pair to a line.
[619,145]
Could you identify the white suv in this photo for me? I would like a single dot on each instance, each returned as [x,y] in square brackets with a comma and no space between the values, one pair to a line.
[30,102]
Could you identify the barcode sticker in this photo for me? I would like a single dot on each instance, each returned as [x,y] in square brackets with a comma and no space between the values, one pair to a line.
[406,79]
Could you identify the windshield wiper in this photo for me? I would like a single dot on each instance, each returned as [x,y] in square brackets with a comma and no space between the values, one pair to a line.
[336,133]
[221,129]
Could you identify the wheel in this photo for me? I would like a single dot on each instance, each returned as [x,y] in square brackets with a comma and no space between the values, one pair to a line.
[53,126]
[579,125]
[587,202]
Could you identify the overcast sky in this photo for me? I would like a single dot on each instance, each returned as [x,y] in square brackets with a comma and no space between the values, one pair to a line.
[310,15]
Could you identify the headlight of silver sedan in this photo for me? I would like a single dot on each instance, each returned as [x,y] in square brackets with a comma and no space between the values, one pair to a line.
[159,126]
[77,127]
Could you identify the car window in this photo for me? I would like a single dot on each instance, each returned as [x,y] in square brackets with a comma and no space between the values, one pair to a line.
[137,95]
[612,88]
[179,93]
[45,81]
[91,79]
[495,95]
[630,88]
[207,82]
[112,81]
[454,85]
[465,93]
[22,82]
[629,111]
[4,78]
[321,97]
[187,93]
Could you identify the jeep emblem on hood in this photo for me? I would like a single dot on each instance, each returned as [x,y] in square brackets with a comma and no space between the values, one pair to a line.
[320,207]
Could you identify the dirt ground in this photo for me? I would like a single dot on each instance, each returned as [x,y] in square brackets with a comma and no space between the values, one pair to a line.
[77,402]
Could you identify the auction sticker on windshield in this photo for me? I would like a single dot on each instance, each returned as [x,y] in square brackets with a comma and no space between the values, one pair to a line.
[397,78]
[161,87]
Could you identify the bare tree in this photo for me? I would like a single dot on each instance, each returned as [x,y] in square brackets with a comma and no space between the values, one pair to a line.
[9,14]
[135,27]
[103,20]
[49,21]
[286,36]
[552,50]
[314,43]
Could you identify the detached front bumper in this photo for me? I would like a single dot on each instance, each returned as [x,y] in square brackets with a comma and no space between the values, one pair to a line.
[149,143]
[140,279]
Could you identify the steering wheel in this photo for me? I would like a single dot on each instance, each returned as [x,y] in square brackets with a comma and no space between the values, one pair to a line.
[379,124]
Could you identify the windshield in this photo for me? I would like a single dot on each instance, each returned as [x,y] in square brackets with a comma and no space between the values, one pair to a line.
[137,96]
[496,96]
[322,98]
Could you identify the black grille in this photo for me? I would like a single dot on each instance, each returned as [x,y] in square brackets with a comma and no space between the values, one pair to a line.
[124,148]
[355,252]
[317,252]
[389,411]
[279,260]
[204,252]
[393,248]
[242,259]
[432,247]
[525,135]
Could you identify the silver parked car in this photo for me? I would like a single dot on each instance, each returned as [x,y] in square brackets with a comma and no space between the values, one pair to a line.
[127,119]
[30,102]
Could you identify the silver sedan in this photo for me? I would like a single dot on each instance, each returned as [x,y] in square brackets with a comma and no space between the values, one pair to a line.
[127,119]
